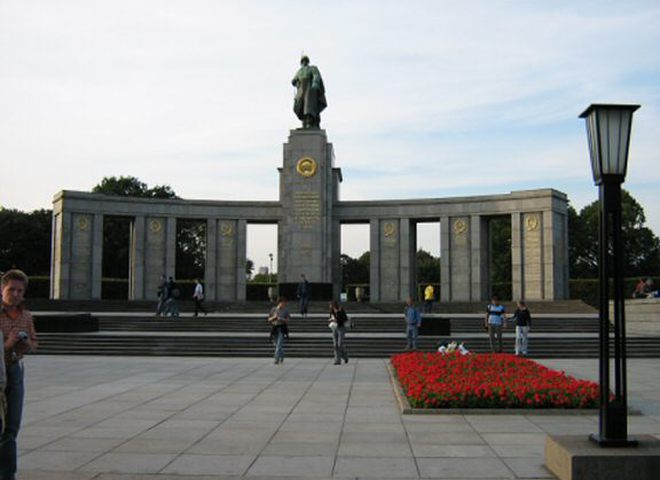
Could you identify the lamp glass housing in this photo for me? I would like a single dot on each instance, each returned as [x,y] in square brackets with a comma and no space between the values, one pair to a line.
[608,133]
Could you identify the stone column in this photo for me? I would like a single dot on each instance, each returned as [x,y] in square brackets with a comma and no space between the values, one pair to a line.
[170,247]
[307,196]
[136,287]
[480,258]
[97,256]
[407,260]
[335,260]
[390,260]
[210,268]
[374,261]
[241,253]
[227,266]
[81,256]
[555,255]
[516,256]
[445,263]
[61,258]
[155,256]
[533,264]
[460,267]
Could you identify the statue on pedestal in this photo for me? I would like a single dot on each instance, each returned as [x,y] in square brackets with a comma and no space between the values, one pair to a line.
[310,100]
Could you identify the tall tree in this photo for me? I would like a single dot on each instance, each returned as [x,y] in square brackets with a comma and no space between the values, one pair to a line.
[500,246]
[25,240]
[428,267]
[354,270]
[132,187]
[641,248]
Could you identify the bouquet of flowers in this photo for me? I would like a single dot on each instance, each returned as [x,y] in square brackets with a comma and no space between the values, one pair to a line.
[453,347]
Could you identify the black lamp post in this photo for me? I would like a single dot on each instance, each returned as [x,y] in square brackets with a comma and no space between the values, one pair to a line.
[608,132]
[270,270]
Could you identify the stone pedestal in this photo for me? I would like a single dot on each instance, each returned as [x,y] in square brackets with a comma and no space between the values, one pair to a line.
[308,189]
[578,458]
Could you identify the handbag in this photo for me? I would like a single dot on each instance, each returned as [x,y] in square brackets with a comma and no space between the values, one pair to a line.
[333,324]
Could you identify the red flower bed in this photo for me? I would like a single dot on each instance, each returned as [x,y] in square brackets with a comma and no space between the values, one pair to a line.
[434,380]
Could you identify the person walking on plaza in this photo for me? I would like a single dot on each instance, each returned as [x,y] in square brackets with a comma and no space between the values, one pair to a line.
[338,323]
[279,321]
[172,294]
[413,322]
[494,322]
[303,293]
[523,321]
[429,295]
[20,338]
[198,297]
[162,295]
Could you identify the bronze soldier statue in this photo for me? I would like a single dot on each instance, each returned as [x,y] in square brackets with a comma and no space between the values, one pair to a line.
[310,94]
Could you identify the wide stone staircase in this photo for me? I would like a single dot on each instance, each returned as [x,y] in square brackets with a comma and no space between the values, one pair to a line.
[566,329]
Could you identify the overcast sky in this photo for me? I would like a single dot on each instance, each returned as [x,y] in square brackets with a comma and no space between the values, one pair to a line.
[425,99]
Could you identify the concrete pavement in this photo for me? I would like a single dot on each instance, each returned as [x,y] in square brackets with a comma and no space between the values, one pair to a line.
[167,418]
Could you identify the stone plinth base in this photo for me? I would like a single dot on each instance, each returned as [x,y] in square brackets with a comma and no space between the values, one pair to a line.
[573,457]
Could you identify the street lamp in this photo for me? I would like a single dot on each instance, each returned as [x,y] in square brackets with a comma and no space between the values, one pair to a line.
[608,133]
[270,269]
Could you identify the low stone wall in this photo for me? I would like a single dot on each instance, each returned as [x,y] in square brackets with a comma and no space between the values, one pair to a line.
[642,316]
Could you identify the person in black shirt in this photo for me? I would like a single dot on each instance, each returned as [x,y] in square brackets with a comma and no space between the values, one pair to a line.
[523,323]
[338,323]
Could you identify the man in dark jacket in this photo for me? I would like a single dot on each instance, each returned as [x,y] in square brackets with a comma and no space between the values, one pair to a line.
[304,293]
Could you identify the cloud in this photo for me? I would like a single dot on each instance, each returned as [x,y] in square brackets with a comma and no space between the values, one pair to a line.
[425,98]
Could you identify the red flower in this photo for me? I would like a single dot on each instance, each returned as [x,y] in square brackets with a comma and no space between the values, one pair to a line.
[488,380]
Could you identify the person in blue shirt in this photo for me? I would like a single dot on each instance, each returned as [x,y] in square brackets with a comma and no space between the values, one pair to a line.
[494,322]
[413,322]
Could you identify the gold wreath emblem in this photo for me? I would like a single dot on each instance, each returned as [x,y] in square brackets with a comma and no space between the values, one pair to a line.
[83,223]
[306,167]
[460,226]
[389,229]
[155,226]
[226,229]
[532,222]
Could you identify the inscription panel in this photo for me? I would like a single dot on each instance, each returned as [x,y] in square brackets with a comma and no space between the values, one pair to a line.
[306,208]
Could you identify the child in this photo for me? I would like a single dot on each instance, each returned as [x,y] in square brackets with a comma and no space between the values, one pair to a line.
[523,323]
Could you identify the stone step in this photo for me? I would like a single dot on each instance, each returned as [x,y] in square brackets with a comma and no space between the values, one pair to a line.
[313,324]
[301,346]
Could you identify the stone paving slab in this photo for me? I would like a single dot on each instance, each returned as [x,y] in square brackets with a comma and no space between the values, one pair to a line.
[130,418]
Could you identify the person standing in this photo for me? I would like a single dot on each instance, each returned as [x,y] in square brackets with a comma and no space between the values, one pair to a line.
[494,322]
[303,292]
[413,322]
[429,295]
[20,338]
[523,321]
[172,293]
[198,297]
[162,295]
[339,318]
[279,320]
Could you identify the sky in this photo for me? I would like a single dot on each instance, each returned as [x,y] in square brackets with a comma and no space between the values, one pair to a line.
[426,99]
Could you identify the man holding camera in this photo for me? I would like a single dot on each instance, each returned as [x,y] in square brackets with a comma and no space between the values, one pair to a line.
[20,338]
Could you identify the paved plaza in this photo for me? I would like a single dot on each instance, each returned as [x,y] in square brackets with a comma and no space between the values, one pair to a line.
[166,418]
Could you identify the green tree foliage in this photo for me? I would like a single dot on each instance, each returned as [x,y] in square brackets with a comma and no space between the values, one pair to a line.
[500,237]
[25,241]
[190,249]
[641,248]
[354,270]
[132,187]
[428,267]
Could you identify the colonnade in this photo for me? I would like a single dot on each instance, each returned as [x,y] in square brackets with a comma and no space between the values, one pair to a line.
[539,244]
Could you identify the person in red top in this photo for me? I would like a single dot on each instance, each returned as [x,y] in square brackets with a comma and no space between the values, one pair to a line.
[20,338]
